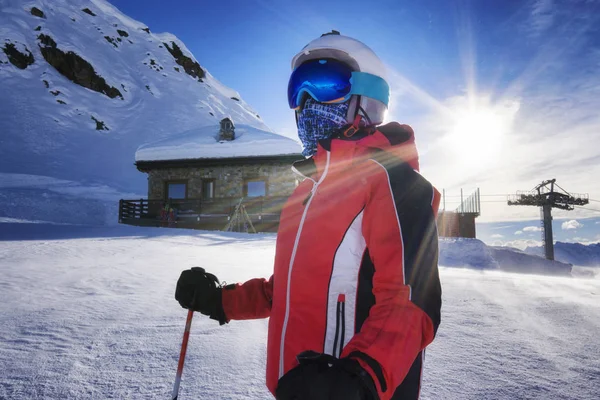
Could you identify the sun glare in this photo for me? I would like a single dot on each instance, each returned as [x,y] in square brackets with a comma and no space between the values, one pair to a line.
[478,129]
[478,134]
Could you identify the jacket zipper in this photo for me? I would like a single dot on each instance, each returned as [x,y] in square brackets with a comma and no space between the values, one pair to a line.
[287,296]
[340,326]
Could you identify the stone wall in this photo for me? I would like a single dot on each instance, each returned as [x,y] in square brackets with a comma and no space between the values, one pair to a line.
[229,179]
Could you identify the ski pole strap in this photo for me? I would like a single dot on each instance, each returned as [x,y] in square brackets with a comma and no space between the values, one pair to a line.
[211,277]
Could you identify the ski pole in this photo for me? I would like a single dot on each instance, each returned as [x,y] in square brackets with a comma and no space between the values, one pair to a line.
[186,336]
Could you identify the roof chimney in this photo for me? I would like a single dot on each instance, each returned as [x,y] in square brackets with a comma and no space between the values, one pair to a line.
[227,130]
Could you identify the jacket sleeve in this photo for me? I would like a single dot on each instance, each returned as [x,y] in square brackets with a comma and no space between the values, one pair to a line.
[400,231]
[250,300]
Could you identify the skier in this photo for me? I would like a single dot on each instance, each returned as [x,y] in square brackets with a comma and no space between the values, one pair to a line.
[355,295]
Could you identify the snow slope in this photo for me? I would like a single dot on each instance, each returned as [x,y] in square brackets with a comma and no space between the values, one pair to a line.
[88,313]
[47,126]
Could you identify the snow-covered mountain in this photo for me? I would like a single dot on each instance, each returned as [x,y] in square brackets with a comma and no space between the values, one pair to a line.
[473,253]
[82,87]
[574,253]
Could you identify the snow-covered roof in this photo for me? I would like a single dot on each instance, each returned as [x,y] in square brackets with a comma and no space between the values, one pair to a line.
[203,143]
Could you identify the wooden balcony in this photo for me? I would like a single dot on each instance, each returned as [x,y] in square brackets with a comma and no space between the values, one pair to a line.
[212,214]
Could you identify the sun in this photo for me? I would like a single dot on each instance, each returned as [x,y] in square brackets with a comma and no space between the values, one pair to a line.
[479,130]
[477,133]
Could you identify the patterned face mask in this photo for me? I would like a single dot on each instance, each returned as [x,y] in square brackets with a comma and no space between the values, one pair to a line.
[319,121]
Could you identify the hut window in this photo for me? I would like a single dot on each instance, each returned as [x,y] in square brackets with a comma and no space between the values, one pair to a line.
[208,189]
[176,190]
[255,188]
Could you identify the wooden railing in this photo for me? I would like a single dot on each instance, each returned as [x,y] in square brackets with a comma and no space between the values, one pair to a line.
[201,214]
[133,209]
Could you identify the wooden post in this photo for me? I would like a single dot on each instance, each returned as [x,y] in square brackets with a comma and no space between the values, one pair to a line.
[120,210]
[444,198]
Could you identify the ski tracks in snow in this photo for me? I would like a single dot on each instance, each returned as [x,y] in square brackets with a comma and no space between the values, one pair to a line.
[96,319]
[512,336]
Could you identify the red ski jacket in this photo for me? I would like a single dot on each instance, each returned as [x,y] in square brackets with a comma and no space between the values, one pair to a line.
[355,271]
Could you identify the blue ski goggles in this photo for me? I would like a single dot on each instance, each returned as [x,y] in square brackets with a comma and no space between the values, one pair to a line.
[331,81]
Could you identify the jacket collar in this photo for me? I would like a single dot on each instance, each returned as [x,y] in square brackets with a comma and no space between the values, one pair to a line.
[394,140]
[305,168]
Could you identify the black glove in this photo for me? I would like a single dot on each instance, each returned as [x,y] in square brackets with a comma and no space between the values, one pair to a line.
[200,291]
[324,377]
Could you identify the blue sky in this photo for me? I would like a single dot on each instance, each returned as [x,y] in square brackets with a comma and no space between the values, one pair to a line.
[501,94]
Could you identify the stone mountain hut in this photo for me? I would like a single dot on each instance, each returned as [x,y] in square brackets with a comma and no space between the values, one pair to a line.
[204,173]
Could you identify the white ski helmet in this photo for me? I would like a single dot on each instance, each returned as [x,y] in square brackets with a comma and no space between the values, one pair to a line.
[359,57]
